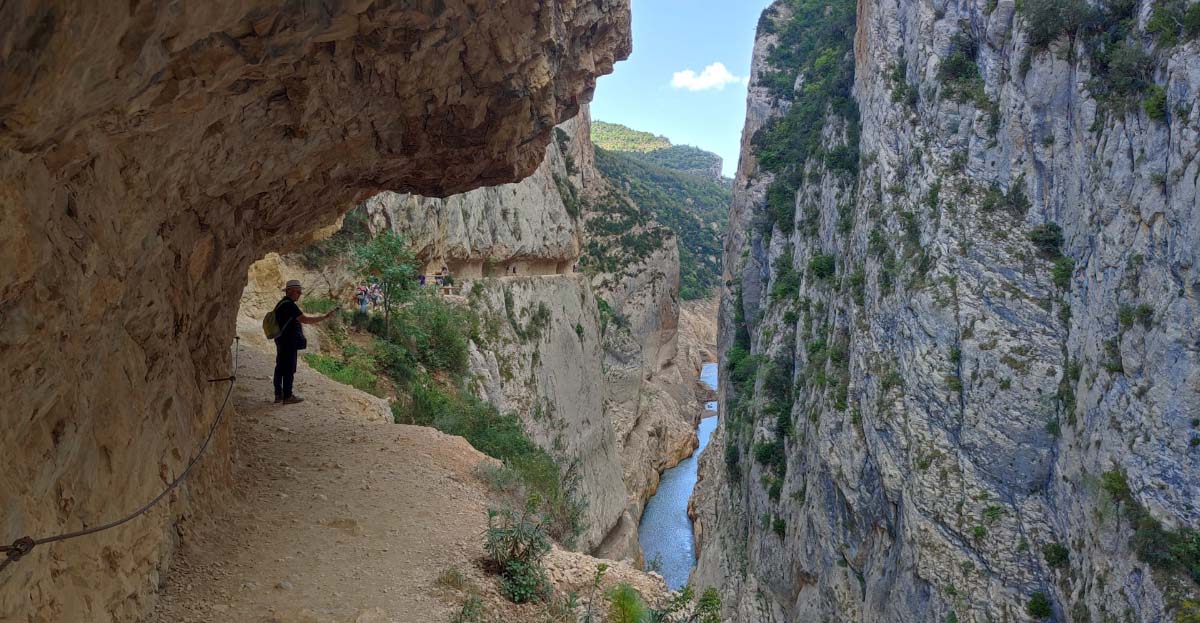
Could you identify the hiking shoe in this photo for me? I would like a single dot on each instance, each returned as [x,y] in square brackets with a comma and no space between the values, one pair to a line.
[278,399]
[293,399]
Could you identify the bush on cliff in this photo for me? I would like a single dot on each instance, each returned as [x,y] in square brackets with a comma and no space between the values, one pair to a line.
[516,542]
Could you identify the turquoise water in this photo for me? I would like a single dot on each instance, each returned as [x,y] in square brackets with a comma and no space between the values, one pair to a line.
[666,530]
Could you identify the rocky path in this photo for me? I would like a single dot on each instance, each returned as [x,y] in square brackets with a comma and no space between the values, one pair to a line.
[340,516]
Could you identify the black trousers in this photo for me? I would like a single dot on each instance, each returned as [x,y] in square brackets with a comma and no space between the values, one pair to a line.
[285,369]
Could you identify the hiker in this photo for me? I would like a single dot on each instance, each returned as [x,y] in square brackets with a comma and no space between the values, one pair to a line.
[290,341]
[362,297]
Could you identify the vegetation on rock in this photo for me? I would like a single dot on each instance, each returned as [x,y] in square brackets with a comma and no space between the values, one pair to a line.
[616,137]
[815,42]
[695,208]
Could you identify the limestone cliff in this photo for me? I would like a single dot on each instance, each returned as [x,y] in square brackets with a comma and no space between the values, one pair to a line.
[149,152]
[959,331]
[539,355]
[633,263]
[540,227]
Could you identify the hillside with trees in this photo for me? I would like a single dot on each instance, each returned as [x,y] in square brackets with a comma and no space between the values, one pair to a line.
[694,206]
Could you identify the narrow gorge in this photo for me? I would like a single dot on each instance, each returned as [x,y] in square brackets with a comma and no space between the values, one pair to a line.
[931,355]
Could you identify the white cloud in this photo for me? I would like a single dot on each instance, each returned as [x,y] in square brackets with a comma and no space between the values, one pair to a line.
[715,76]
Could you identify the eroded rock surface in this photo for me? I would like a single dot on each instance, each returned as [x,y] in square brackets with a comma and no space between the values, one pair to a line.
[954,405]
[149,152]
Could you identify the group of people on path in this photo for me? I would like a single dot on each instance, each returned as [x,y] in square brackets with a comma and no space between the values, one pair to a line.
[365,294]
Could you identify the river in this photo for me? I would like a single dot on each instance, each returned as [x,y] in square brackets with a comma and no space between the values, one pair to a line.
[665,532]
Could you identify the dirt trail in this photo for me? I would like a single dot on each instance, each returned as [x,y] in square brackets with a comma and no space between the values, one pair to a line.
[336,513]
[339,516]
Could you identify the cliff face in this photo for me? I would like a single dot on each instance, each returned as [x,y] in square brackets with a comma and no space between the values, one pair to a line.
[148,154]
[960,371]
[524,228]
[632,410]
[539,355]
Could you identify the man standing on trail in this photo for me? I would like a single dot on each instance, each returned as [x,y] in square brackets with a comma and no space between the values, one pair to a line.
[290,341]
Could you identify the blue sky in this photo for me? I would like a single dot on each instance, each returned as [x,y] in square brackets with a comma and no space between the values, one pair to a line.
[671,85]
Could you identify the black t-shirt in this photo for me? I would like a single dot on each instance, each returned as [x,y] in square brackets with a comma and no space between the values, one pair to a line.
[287,314]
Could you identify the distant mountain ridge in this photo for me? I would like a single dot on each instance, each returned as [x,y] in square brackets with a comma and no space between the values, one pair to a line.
[657,150]
[678,186]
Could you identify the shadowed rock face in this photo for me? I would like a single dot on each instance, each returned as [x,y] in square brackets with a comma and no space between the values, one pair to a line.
[149,152]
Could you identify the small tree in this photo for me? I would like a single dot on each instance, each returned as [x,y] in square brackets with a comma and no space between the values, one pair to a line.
[387,261]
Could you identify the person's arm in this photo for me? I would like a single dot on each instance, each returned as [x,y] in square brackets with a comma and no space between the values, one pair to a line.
[315,319]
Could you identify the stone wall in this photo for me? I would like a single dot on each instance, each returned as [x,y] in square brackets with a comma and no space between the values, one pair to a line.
[149,153]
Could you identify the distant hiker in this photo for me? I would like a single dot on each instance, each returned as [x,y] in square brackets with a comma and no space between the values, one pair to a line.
[290,341]
[376,295]
[362,297]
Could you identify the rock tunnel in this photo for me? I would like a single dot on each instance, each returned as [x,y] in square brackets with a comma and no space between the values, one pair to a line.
[149,153]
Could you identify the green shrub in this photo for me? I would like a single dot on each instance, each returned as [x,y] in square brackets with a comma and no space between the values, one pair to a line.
[566,190]
[1048,238]
[1173,551]
[1173,21]
[471,612]
[979,533]
[1155,103]
[1125,74]
[772,455]
[733,461]
[1039,606]
[354,231]
[959,74]
[356,368]
[625,605]
[787,280]
[954,383]
[1047,20]
[781,204]
[1064,269]
[1015,201]
[1128,314]
[779,527]
[516,543]
[675,610]
[522,582]
[502,436]
[1057,555]
[822,266]
[319,305]
[435,332]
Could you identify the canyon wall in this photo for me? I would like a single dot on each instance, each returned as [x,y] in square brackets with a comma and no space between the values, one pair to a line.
[149,153]
[515,250]
[960,325]
[539,355]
